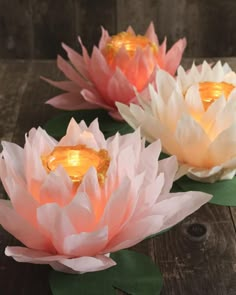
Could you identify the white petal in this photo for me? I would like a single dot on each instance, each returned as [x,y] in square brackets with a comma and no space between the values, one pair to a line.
[194,102]
[193,141]
[165,84]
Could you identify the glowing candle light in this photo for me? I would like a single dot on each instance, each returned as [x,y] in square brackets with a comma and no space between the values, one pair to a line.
[76,160]
[211,91]
[130,42]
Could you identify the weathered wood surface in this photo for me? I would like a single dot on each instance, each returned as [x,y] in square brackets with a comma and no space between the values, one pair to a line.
[36,28]
[196,257]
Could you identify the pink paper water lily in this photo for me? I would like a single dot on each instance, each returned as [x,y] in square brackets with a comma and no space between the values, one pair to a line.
[119,64]
[73,224]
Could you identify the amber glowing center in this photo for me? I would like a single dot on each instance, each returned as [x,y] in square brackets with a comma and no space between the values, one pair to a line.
[76,160]
[130,42]
[211,91]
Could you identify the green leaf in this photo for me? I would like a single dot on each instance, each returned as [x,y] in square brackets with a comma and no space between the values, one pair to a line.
[163,156]
[224,192]
[57,126]
[134,274]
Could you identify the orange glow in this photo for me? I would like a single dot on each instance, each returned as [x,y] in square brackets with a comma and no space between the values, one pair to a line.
[211,91]
[76,160]
[130,42]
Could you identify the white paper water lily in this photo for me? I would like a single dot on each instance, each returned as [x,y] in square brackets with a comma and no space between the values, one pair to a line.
[194,115]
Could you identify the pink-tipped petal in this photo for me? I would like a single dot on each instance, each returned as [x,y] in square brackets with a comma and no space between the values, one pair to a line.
[86,244]
[24,204]
[95,99]
[98,135]
[130,30]
[13,155]
[82,207]
[53,190]
[104,39]
[135,232]
[174,56]
[77,61]
[70,102]
[71,73]
[91,187]
[179,205]
[151,34]
[54,224]
[169,167]
[119,88]
[64,85]
[86,57]
[21,229]
[88,264]
[99,69]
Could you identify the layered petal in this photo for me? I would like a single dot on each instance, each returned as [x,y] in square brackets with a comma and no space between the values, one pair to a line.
[194,116]
[116,68]
[72,218]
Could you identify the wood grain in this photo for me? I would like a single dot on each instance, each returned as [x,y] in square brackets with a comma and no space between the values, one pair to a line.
[197,20]
[16,32]
[90,16]
[33,105]
[196,257]
[23,108]
[53,23]
[13,82]
[35,29]
[192,260]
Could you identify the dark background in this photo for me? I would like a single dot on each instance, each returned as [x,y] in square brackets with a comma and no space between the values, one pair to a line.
[35,28]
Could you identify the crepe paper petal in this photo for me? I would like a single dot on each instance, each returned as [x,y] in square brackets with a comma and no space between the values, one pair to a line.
[70,102]
[174,56]
[224,192]
[73,215]
[60,262]
[56,127]
[131,267]
[20,228]
[113,72]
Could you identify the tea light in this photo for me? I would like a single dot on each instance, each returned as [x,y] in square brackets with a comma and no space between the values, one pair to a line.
[211,91]
[76,160]
[130,42]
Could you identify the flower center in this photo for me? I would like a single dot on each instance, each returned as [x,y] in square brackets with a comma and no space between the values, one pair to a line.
[211,91]
[76,160]
[130,42]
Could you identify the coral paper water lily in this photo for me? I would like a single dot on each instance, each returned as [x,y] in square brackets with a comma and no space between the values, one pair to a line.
[194,115]
[74,201]
[116,66]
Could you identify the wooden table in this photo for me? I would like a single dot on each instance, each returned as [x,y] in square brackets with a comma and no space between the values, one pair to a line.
[196,257]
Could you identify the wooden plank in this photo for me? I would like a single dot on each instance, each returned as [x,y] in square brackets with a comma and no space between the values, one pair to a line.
[170,18]
[198,256]
[218,38]
[33,105]
[233,215]
[197,20]
[53,23]
[33,279]
[16,29]
[90,16]
[13,82]
[136,13]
